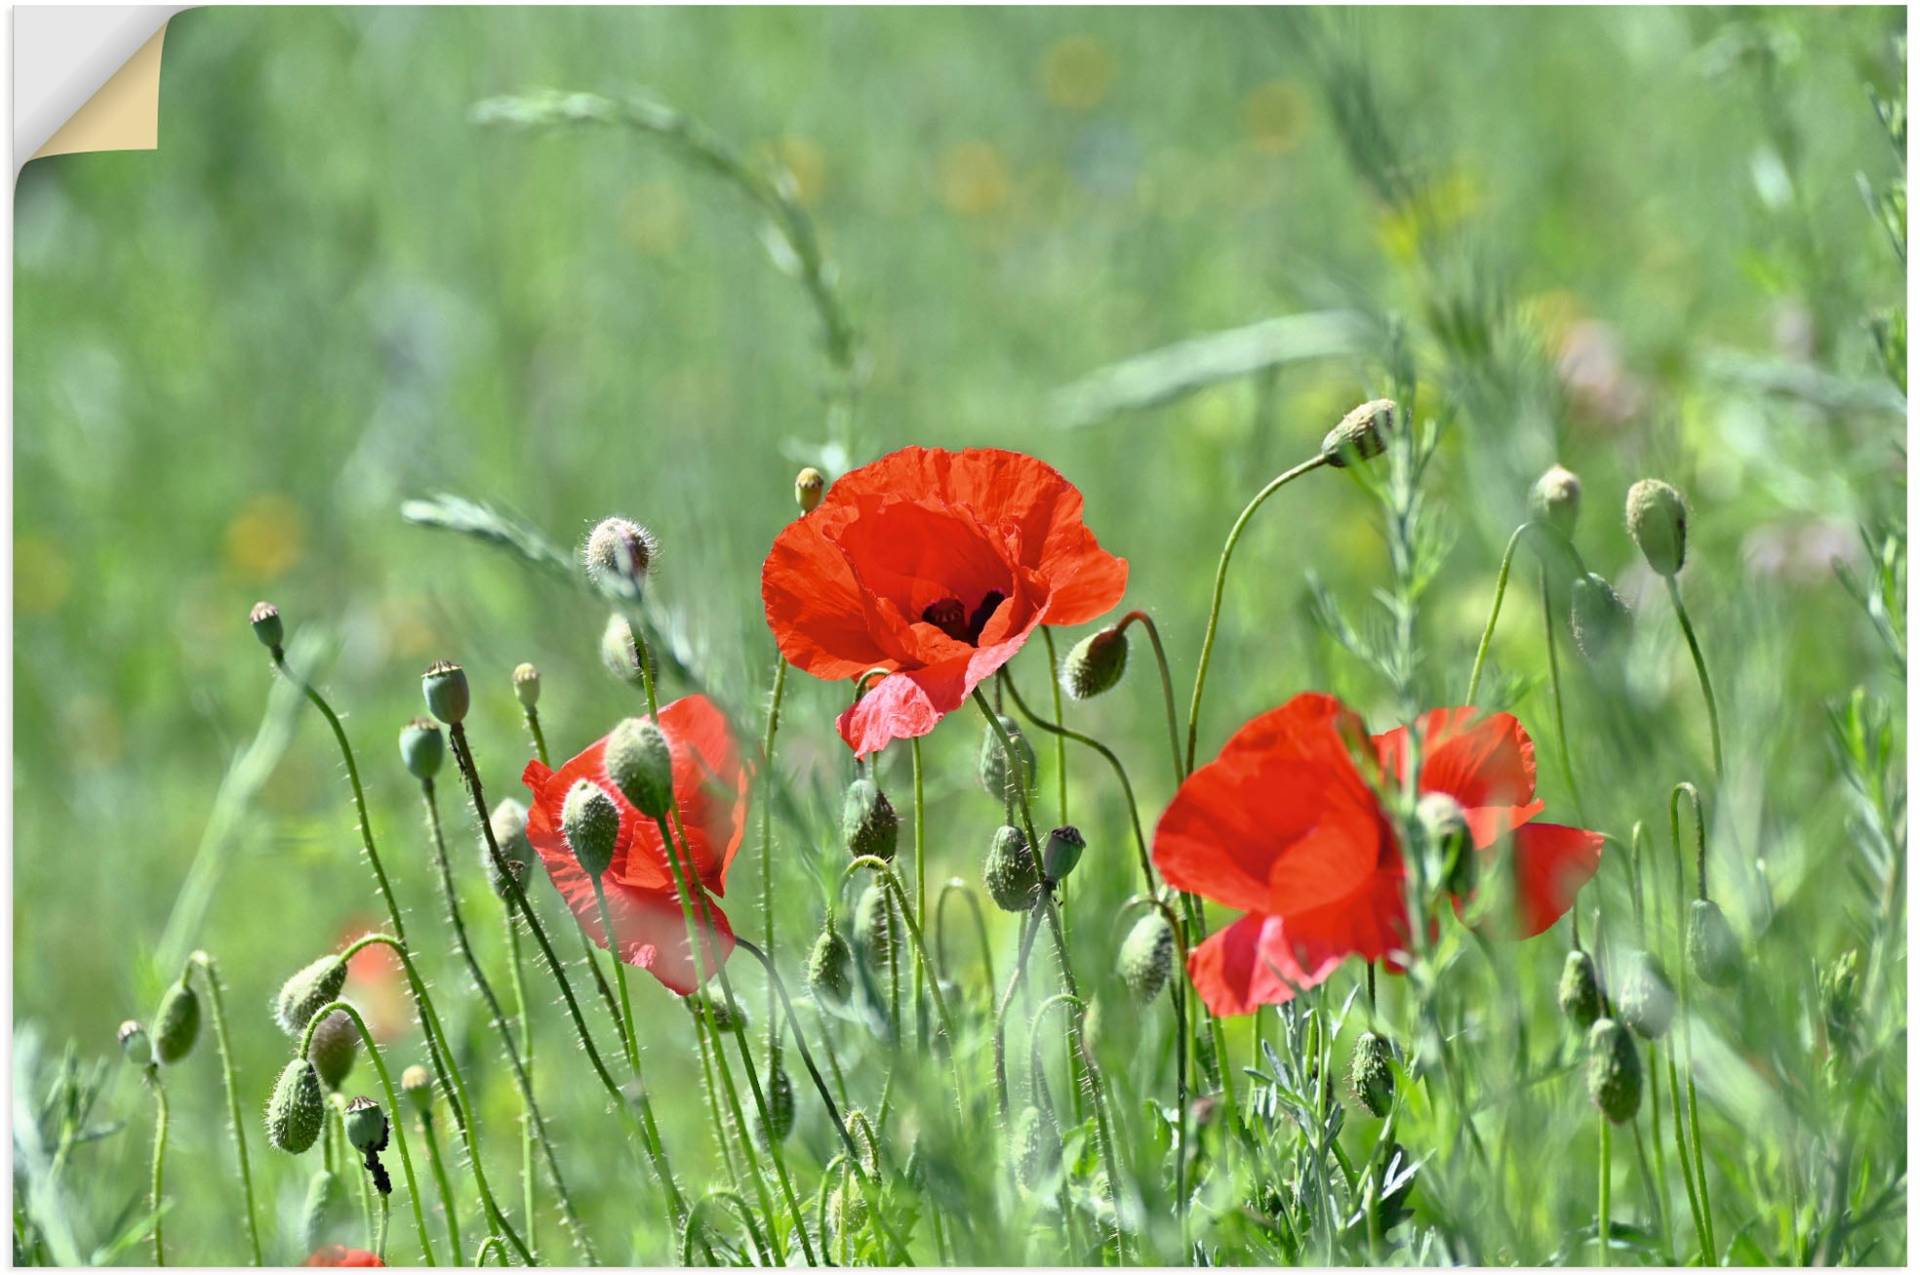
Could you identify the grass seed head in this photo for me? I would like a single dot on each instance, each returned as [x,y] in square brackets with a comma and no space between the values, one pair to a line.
[445,688]
[1657,520]
[1096,663]
[302,995]
[1010,876]
[639,760]
[176,1024]
[868,823]
[1360,435]
[422,748]
[1613,1071]
[590,822]
[1146,957]
[297,1109]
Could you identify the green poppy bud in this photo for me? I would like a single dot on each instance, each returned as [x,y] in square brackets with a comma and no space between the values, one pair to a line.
[526,685]
[830,969]
[265,619]
[726,1016]
[1360,435]
[1712,949]
[366,1125]
[1095,664]
[1600,620]
[618,554]
[1613,1071]
[1579,990]
[416,1086]
[335,1045]
[846,1210]
[1646,996]
[995,775]
[176,1025]
[325,1198]
[868,822]
[448,696]
[1371,1074]
[1449,845]
[1062,854]
[1011,876]
[134,1044]
[1555,500]
[297,1109]
[640,762]
[874,926]
[780,1111]
[1657,521]
[809,485]
[1036,1147]
[422,748]
[619,653]
[590,822]
[302,995]
[1146,957]
[509,824]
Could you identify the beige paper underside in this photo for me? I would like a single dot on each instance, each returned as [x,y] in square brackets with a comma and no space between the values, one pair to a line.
[123,116]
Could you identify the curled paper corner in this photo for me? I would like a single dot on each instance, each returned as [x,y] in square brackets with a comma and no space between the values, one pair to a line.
[87,79]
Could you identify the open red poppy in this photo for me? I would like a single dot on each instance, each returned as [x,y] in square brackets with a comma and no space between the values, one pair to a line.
[710,792]
[1283,826]
[341,1255]
[935,566]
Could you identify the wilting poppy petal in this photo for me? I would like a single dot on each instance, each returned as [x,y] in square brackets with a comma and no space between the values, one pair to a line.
[1551,862]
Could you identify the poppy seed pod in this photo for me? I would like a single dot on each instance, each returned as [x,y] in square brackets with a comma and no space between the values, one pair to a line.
[297,1109]
[830,969]
[1036,1147]
[325,1195]
[265,619]
[995,775]
[1613,1071]
[868,823]
[1360,435]
[335,1045]
[1579,990]
[302,995]
[134,1044]
[509,824]
[1146,957]
[448,696]
[422,748]
[1555,500]
[809,485]
[417,1087]
[591,824]
[176,1024]
[1657,520]
[640,762]
[1064,847]
[1010,874]
[874,926]
[1598,617]
[618,652]
[780,1111]
[1371,1074]
[617,554]
[526,685]
[1712,949]
[366,1125]
[1095,664]
[1646,996]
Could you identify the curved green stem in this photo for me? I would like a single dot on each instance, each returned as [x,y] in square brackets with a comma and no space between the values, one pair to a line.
[1700,668]
[1559,703]
[1692,795]
[625,1021]
[956,885]
[1102,1132]
[211,976]
[494,1245]
[882,869]
[449,1204]
[1145,621]
[158,1185]
[691,1229]
[1059,715]
[1493,615]
[526,1062]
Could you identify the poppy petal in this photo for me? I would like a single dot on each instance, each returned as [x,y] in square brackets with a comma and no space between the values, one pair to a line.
[1551,863]
[1484,761]
[813,603]
[1243,967]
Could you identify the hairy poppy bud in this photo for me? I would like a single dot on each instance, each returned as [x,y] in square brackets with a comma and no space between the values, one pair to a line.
[1613,1071]
[1555,500]
[302,995]
[366,1125]
[265,619]
[1371,1075]
[335,1045]
[1450,848]
[779,1121]
[416,1085]
[1712,949]
[509,824]
[1657,520]
[640,762]
[873,926]
[591,824]
[618,553]
[618,651]
[1360,435]
[1010,875]
[846,1210]
[868,822]
[526,685]
[1646,996]
[1036,1147]
[1095,664]
[176,1025]
[444,685]
[830,969]
[325,1196]
[1598,617]
[1064,847]
[297,1109]
[995,775]
[1579,990]
[422,748]
[134,1044]
[1146,957]
[809,485]
[725,1015]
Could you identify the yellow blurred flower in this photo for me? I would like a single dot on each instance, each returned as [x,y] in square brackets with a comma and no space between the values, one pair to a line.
[1442,206]
[42,577]
[265,538]
[1275,116]
[806,163]
[653,218]
[973,179]
[1077,73]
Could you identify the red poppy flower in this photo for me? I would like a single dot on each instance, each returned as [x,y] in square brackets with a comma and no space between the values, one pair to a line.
[935,566]
[1283,826]
[710,791]
[341,1255]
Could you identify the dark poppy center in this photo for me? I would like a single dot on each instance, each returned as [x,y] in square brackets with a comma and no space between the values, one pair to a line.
[949,615]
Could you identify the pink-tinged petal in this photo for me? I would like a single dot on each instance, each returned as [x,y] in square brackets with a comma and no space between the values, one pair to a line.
[650,925]
[1551,863]
[1243,967]
[909,704]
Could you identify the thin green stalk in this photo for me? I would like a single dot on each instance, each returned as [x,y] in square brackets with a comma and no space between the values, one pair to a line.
[526,1063]
[882,869]
[1606,1188]
[538,736]
[1059,715]
[366,1181]
[625,1020]
[211,976]
[448,1203]
[158,1185]
[956,885]
[1700,668]
[1686,1023]
[766,811]
[1103,1134]
[1145,621]
[920,885]
[492,1244]
[1559,703]
[1493,615]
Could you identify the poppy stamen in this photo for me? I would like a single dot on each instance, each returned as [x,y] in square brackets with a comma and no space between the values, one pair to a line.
[949,615]
[983,613]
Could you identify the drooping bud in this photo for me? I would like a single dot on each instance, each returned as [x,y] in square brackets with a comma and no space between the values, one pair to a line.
[874,926]
[1036,1147]
[1360,435]
[448,697]
[297,1109]
[1657,521]
[1646,996]
[995,775]
[509,824]
[302,995]
[830,969]
[526,685]
[416,1085]
[726,1015]
[134,1044]
[1010,874]
[422,748]
[1146,957]
[846,1211]
[1579,990]
[1613,1071]
[1095,664]
[1371,1074]
[1555,500]
[366,1125]
[619,653]
[1712,949]
[1599,618]
[335,1045]
[1064,847]
[265,619]
[780,1111]
[809,485]
[868,823]
[176,1024]
[324,1198]
[590,822]
[1443,823]
[618,553]
[639,760]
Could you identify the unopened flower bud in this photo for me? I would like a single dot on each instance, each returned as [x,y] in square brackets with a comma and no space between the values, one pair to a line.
[1657,520]
[134,1044]
[509,825]
[809,485]
[416,1086]
[725,1015]
[618,553]
[297,1109]
[1371,1075]
[1599,618]
[1010,874]
[830,969]
[335,1045]
[1444,824]
[1064,847]
[1613,1071]
[526,685]
[302,995]
[780,1110]
[1579,990]
[1146,957]
[1555,500]
[1712,949]
[1036,1147]
[265,619]
[1646,996]
[618,652]
[874,927]
[1095,664]
[444,685]
[590,822]
[422,748]
[1360,435]
[366,1125]
[847,1210]
[176,1024]
[868,823]
[325,1196]
[639,760]
[995,775]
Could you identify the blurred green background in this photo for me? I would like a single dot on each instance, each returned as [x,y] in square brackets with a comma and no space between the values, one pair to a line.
[328,290]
